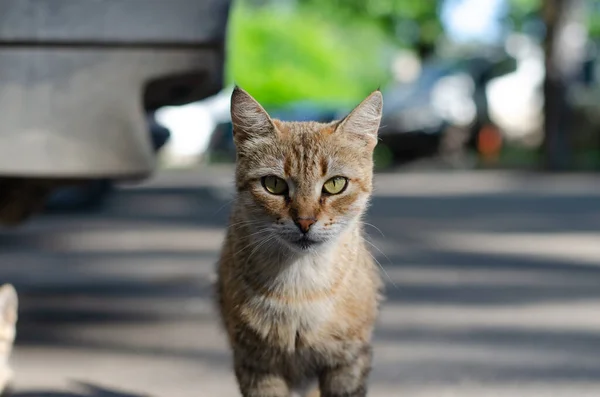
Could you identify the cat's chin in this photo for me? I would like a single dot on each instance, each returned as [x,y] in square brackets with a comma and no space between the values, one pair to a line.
[303,244]
[306,243]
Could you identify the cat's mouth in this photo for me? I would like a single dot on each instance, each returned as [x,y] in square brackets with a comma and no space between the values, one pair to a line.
[305,243]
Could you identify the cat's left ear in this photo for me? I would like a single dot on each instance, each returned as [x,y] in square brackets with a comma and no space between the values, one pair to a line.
[364,120]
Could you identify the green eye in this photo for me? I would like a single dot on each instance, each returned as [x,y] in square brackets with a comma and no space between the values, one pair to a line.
[335,185]
[274,185]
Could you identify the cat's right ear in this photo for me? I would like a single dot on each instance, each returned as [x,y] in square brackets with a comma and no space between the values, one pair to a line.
[249,118]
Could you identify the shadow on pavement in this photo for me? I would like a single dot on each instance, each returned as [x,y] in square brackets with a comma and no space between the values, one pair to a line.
[87,390]
[128,287]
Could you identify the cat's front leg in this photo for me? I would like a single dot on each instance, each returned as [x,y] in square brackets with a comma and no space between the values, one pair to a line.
[254,380]
[349,379]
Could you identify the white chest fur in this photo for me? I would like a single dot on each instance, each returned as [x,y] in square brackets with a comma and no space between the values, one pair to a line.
[302,300]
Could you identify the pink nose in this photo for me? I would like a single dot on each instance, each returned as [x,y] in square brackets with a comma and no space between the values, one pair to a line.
[304,224]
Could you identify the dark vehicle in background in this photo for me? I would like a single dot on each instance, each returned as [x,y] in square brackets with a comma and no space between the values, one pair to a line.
[77,78]
[446,101]
[221,148]
[443,109]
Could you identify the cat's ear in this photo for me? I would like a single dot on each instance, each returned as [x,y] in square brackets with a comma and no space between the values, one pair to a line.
[248,117]
[364,120]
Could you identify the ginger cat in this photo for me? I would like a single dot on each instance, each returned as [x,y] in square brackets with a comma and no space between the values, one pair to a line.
[298,291]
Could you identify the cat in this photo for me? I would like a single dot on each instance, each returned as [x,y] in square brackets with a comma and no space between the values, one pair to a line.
[8,322]
[298,291]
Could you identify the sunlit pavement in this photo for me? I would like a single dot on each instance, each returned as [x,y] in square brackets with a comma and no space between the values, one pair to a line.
[493,289]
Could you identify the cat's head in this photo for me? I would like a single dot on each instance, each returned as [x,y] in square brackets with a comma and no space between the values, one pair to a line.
[301,184]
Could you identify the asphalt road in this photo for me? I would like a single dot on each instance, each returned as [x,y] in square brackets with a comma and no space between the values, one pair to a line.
[493,289]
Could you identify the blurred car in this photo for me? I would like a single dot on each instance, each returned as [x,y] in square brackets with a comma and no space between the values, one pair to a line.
[76,78]
[448,95]
[221,148]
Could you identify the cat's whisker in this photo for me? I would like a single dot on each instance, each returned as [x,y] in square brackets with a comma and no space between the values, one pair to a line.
[263,242]
[384,271]
[224,205]
[251,242]
[243,223]
[374,227]
[379,263]
[259,232]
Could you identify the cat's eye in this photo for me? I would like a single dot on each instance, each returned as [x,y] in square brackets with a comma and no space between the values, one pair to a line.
[335,185]
[274,185]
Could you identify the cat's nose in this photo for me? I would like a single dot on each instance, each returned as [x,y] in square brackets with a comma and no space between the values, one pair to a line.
[304,224]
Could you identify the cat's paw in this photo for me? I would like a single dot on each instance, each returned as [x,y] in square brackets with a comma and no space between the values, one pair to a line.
[9,304]
[6,378]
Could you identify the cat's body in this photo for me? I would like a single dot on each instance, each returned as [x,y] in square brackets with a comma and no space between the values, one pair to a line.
[298,290]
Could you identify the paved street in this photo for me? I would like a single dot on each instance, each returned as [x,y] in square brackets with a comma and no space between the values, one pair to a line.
[493,289]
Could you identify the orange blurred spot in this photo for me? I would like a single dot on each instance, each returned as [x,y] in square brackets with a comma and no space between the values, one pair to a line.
[489,141]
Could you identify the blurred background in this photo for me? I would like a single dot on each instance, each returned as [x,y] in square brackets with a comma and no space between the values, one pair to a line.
[464,81]
[116,170]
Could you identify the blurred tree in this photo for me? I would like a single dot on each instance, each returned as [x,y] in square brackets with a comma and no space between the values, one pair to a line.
[335,50]
[282,54]
[409,23]
[565,28]
[524,16]
[564,45]
[593,18]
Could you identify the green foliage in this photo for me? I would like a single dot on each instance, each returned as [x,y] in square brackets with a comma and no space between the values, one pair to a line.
[333,51]
[525,7]
[413,23]
[286,55]
[593,19]
[522,11]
